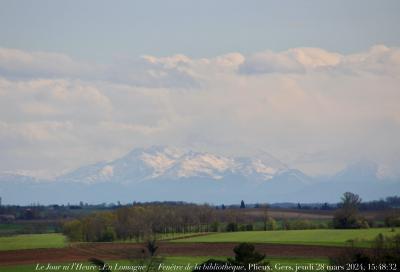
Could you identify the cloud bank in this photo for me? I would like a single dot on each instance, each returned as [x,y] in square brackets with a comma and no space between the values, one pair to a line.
[316,109]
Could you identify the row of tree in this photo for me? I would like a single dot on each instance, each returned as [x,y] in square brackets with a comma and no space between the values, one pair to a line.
[141,221]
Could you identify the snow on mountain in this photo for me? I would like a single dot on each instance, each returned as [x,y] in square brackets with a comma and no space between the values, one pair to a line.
[165,173]
[159,162]
[194,164]
[262,167]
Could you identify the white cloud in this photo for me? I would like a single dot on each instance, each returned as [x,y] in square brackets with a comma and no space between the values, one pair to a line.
[378,59]
[301,101]
[146,71]
[297,60]
[21,64]
[149,71]
[52,99]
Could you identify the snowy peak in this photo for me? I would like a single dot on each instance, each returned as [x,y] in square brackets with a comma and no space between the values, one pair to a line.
[263,166]
[202,165]
[160,162]
[159,159]
[164,163]
[173,162]
[165,173]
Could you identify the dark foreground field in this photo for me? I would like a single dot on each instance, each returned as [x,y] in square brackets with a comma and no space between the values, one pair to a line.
[116,251]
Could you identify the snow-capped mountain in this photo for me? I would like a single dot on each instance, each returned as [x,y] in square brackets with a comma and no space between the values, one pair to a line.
[159,162]
[163,173]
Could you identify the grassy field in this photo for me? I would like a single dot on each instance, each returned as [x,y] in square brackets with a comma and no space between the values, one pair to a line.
[330,237]
[178,261]
[57,240]
[27,241]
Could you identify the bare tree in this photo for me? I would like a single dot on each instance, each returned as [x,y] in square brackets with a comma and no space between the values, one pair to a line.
[347,216]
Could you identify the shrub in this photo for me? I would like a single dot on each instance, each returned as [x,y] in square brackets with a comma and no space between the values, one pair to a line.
[302,224]
[245,256]
[385,251]
[249,227]
[215,226]
[392,221]
[108,235]
[299,224]
[73,230]
[232,227]
[271,224]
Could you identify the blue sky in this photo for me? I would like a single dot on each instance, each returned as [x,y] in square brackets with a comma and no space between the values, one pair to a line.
[101,30]
[314,83]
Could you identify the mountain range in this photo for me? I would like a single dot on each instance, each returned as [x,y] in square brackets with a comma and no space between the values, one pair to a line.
[162,173]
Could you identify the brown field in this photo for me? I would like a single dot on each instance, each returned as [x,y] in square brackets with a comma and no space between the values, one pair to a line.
[311,214]
[115,251]
[293,214]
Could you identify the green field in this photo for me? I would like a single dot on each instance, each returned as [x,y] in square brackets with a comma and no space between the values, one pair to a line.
[330,237]
[178,261]
[28,241]
[57,240]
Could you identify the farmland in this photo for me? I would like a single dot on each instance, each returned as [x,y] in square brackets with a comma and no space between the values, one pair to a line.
[326,237]
[58,240]
[184,233]
[322,237]
[30,241]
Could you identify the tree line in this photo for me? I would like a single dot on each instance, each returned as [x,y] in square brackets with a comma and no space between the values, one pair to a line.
[141,221]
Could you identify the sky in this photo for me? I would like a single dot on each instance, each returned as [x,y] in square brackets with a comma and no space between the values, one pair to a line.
[314,83]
